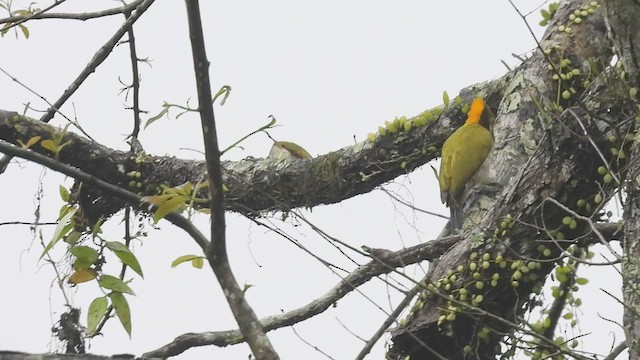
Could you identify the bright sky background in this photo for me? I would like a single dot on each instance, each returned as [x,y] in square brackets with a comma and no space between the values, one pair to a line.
[330,72]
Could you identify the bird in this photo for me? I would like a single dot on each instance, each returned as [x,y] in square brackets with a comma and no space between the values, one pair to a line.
[463,159]
[288,150]
[283,150]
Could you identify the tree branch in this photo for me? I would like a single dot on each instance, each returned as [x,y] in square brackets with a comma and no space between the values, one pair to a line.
[131,198]
[539,153]
[264,185]
[216,252]
[622,19]
[385,264]
[99,57]
[71,16]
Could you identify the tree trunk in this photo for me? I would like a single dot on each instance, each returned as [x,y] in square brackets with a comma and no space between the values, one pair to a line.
[547,147]
[622,20]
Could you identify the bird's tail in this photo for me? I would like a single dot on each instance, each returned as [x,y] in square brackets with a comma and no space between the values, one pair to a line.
[456,217]
[456,206]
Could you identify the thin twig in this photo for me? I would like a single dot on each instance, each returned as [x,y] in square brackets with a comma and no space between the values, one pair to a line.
[15,21]
[412,206]
[314,347]
[425,251]
[99,57]
[29,89]
[216,251]
[591,224]
[135,82]
[71,16]
[32,223]
[616,351]
[595,146]
[133,199]
[390,320]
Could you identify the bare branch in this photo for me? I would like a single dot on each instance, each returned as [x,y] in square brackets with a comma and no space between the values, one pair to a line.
[70,16]
[257,185]
[427,251]
[99,57]
[216,252]
[31,223]
[26,18]
[113,190]
[135,83]
[616,351]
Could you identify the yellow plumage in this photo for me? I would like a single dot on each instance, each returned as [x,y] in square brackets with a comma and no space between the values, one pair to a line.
[463,154]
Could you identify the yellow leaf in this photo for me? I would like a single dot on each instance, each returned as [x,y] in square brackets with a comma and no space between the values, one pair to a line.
[155,199]
[82,275]
[184,258]
[197,262]
[169,206]
[30,142]
[49,145]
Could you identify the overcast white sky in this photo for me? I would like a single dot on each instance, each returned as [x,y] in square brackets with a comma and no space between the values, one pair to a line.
[330,72]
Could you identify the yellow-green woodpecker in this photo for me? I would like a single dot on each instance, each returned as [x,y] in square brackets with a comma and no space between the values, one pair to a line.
[463,156]
[288,150]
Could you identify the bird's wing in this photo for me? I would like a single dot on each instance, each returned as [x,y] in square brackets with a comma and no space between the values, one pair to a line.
[474,144]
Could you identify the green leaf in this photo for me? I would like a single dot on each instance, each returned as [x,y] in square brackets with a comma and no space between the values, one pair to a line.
[85,252]
[582,281]
[117,246]
[85,257]
[445,98]
[545,14]
[21,12]
[62,146]
[97,227]
[115,284]
[73,237]
[96,312]
[64,209]
[125,255]
[63,227]
[183,259]
[197,262]
[162,113]
[121,306]
[271,123]
[64,193]
[226,90]
[435,172]
[172,204]
[30,142]
[246,287]
[49,145]
[25,31]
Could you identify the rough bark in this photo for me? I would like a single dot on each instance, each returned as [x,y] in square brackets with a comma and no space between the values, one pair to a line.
[13,355]
[622,21]
[539,154]
[257,185]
